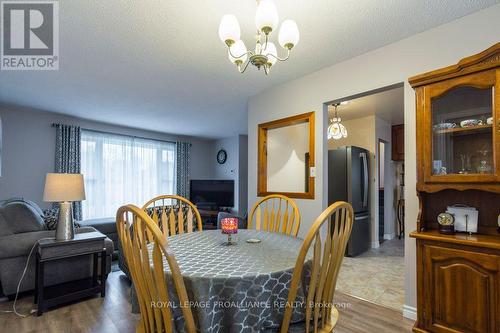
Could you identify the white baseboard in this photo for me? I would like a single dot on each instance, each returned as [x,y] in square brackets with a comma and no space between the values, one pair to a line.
[375,245]
[409,312]
[390,236]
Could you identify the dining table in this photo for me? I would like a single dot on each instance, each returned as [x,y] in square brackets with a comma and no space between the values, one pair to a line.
[237,288]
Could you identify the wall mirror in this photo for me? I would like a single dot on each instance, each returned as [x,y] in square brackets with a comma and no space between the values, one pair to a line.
[286,157]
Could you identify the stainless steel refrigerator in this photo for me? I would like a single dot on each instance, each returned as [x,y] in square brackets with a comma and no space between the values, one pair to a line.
[348,180]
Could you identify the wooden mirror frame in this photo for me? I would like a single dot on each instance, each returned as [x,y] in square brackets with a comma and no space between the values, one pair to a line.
[262,155]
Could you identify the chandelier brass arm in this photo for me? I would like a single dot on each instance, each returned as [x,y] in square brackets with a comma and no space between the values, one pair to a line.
[281,59]
[244,68]
[248,53]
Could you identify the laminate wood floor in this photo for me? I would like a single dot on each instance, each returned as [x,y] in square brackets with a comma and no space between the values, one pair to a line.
[112,314]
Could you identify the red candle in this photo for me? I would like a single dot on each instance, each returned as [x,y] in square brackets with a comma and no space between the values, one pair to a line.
[229,225]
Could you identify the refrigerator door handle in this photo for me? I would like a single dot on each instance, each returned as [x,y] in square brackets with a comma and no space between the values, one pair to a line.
[358,218]
[365,179]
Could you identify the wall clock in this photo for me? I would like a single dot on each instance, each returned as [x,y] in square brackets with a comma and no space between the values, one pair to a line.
[221,156]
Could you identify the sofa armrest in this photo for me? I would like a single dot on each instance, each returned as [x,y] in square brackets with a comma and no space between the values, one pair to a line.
[19,245]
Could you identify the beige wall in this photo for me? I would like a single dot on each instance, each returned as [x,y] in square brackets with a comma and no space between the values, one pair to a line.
[360,133]
[388,65]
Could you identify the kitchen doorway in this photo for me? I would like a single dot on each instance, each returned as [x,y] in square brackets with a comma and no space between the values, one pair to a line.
[375,274]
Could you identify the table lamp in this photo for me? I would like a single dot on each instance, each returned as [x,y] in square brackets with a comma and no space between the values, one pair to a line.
[64,188]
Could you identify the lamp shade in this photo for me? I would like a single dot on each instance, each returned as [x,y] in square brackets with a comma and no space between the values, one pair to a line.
[229,29]
[343,130]
[271,53]
[238,50]
[336,130]
[60,187]
[289,34]
[266,16]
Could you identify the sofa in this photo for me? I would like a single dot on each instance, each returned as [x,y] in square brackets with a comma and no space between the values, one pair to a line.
[21,226]
[107,226]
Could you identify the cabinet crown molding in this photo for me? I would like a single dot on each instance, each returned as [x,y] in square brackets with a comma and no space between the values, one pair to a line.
[487,59]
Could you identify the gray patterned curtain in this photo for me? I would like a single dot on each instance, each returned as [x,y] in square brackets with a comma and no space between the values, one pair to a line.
[68,156]
[183,150]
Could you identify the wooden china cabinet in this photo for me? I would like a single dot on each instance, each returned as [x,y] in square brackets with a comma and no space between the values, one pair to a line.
[458,162]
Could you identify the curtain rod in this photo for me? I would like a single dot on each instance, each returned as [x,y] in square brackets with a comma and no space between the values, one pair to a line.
[119,134]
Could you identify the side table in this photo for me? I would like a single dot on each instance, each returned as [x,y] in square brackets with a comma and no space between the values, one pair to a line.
[84,244]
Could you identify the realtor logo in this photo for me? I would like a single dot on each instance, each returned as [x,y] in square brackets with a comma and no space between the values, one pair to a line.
[30,35]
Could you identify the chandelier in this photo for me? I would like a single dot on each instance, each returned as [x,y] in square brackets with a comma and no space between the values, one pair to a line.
[336,130]
[265,54]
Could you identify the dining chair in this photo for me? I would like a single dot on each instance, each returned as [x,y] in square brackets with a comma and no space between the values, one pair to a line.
[275,213]
[173,214]
[321,314]
[147,254]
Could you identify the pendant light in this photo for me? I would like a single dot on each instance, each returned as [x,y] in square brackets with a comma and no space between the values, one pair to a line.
[336,130]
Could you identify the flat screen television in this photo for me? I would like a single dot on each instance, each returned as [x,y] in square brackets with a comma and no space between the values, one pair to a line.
[212,193]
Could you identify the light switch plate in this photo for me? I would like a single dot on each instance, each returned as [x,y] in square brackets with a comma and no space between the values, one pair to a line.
[312,172]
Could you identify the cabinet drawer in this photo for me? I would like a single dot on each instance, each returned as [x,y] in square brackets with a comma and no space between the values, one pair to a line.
[461,290]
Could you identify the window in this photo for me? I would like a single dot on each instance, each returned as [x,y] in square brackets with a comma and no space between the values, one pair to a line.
[120,170]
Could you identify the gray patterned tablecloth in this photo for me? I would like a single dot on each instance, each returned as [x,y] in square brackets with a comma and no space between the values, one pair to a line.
[237,288]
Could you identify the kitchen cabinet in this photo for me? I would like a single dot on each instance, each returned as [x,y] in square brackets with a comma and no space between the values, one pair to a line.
[398,142]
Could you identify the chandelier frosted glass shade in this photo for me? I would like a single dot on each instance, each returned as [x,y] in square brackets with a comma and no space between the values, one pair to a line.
[271,53]
[264,55]
[336,130]
[289,34]
[238,52]
[266,17]
[229,29]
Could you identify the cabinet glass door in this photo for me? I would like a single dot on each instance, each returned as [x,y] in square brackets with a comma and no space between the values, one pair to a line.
[462,132]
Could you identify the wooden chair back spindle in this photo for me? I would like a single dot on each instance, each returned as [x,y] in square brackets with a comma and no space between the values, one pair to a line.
[147,254]
[326,260]
[275,213]
[173,214]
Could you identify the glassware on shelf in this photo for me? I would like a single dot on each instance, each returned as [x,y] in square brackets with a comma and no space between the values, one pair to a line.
[460,132]
[466,168]
[484,167]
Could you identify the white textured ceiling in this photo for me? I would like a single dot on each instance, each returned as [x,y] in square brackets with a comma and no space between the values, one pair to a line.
[159,65]
[387,104]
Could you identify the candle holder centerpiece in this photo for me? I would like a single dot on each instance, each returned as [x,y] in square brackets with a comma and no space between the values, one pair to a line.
[229,227]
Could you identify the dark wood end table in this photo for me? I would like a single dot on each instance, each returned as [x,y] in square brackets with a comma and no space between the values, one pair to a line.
[84,244]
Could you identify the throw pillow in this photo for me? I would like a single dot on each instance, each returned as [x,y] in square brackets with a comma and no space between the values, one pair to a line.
[50,217]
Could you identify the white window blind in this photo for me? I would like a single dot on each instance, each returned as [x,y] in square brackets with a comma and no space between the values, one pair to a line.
[121,170]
